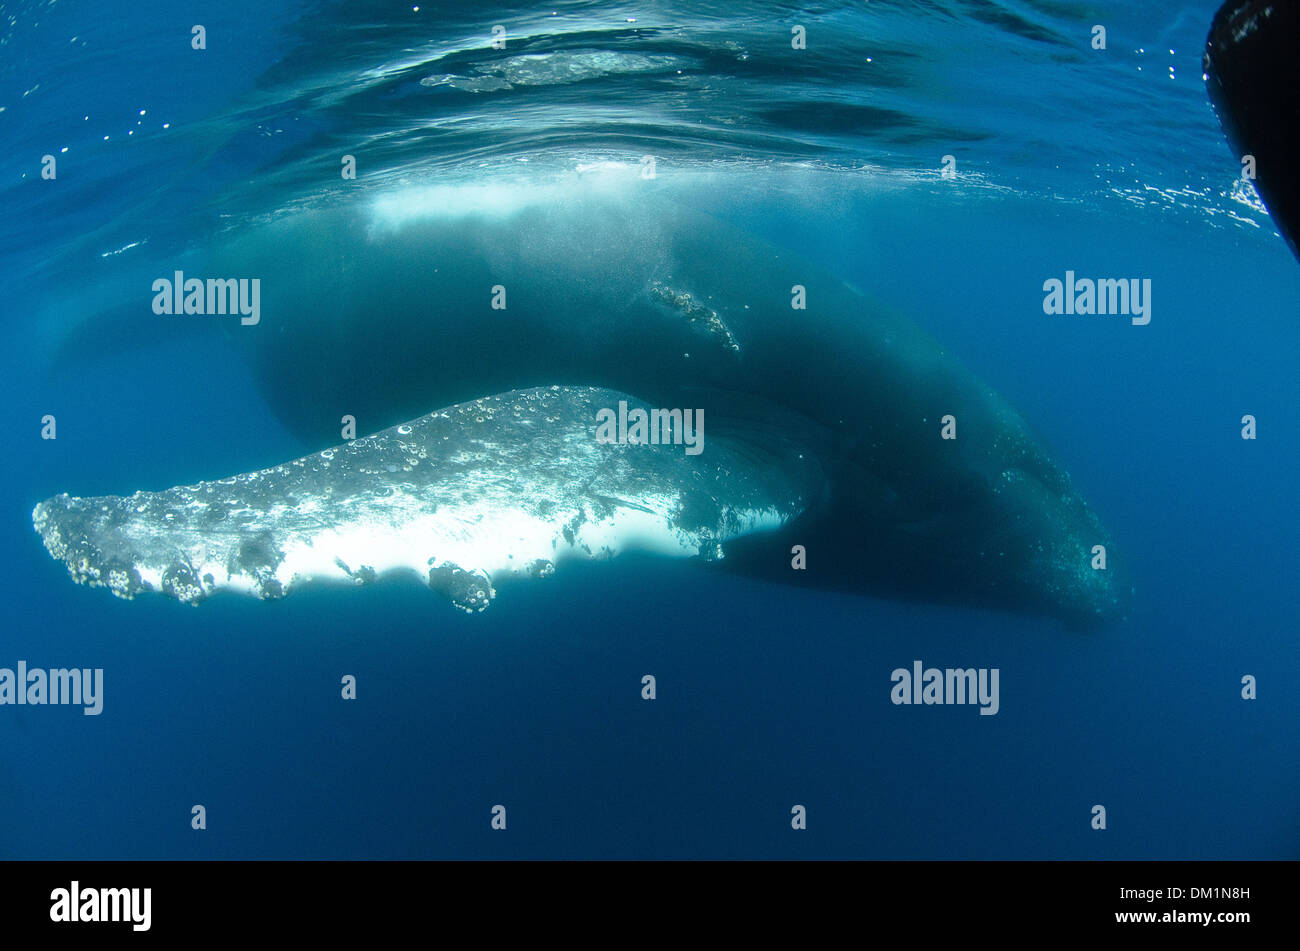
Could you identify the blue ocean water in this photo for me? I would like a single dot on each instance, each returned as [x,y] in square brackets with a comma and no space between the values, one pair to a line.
[1106,162]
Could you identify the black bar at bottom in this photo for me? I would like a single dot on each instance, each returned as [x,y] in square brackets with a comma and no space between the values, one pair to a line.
[372,899]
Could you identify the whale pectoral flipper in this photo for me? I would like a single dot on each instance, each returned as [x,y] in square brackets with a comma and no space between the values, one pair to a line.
[506,485]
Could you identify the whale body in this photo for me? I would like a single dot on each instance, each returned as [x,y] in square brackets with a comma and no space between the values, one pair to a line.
[480,335]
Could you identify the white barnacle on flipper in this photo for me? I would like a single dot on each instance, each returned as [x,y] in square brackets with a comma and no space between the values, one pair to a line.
[513,485]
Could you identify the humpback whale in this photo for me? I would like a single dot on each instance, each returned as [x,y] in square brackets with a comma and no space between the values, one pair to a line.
[480,335]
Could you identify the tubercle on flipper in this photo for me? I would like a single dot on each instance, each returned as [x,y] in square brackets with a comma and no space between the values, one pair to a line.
[469,590]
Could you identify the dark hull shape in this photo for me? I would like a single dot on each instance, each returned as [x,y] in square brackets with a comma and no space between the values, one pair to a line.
[1252,69]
